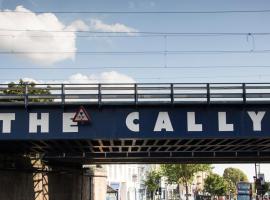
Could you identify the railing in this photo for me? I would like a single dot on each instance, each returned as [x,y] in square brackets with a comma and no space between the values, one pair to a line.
[135,94]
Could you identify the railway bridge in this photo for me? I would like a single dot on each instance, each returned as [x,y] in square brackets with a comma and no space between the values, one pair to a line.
[134,123]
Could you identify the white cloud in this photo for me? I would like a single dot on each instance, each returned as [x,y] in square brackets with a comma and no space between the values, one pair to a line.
[26,79]
[104,77]
[30,80]
[44,40]
[78,25]
[38,41]
[98,25]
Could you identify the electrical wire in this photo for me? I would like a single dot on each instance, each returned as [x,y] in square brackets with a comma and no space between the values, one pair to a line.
[138,32]
[141,52]
[169,77]
[88,36]
[140,12]
[122,36]
[128,68]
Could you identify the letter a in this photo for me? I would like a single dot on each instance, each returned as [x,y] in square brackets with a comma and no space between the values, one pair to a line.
[163,122]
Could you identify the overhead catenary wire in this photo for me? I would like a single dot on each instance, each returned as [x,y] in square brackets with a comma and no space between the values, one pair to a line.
[84,36]
[138,32]
[263,51]
[159,78]
[140,12]
[132,68]
[126,35]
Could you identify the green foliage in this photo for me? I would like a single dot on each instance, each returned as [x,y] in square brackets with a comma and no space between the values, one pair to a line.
[152,180]
[266,187]
[182,173]
[19,89]
[233,176]
[231,187]
[215,185]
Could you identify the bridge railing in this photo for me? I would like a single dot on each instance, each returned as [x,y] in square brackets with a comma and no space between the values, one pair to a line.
[134,94]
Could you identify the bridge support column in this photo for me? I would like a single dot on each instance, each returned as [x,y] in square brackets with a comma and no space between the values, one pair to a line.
[27,178]
[16,178]
[69,184]
[98,183]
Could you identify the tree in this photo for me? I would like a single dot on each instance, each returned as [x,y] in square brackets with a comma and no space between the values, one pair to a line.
[215,185]
[233,176]
[19,89]
[152,182]
[265,188]
[183,173]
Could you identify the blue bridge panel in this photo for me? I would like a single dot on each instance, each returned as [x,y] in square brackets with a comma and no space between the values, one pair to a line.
[137,123]
[148,122]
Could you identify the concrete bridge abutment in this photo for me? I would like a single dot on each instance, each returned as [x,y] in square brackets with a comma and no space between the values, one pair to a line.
[16,179]
[69,184]
[21,178]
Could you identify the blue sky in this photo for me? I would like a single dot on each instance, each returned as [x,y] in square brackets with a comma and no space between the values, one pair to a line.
[232,22]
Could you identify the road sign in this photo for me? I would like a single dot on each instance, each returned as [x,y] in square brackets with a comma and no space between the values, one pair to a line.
[261,177]
[81,116]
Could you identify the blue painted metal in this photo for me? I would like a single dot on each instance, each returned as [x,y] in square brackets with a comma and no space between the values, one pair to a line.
[109,122]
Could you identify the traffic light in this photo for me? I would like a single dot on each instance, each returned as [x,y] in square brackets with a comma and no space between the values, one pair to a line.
[260,188]
[258,184]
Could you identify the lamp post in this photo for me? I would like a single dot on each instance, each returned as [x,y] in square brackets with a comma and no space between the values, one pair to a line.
[193,190]
[134,180]
[166,190]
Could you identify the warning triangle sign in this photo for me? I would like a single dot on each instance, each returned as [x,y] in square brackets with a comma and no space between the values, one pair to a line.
[81,116]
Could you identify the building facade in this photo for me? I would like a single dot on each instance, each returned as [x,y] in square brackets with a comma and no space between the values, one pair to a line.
[128,180]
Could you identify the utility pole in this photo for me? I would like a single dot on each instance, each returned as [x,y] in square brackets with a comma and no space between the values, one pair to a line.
[258,181]
[257,169]
[134,179]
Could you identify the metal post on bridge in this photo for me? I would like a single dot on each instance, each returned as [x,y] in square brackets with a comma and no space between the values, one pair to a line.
[172,94]
[136,94]
[25,96]
[208,93]
[244,93]
[99,95]
[63,94]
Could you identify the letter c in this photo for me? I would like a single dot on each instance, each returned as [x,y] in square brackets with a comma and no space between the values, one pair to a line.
[130,122]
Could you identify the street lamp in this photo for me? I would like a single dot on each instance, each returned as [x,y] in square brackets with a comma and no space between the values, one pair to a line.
[193,190]
[166,190]
[134,180]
